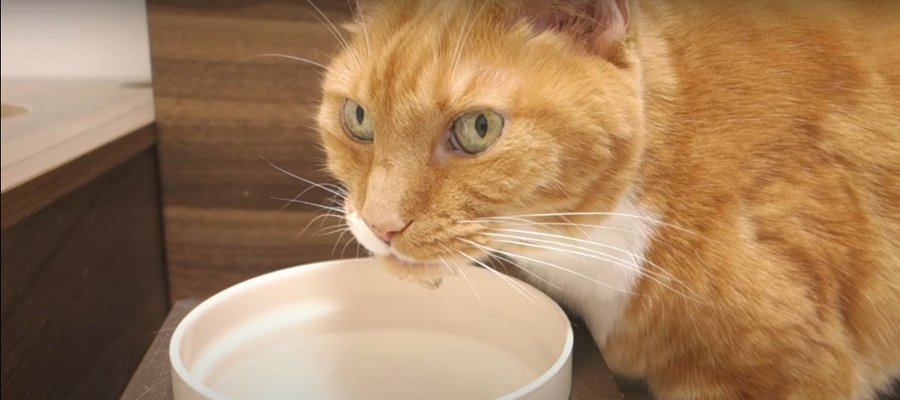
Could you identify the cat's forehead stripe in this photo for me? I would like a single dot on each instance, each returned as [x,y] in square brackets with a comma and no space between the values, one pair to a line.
[415,64]
[405,66]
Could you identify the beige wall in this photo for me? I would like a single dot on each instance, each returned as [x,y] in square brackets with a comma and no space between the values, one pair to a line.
[81,39]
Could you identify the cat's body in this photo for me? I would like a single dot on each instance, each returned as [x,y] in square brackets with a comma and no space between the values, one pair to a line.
[780,143]
[730,174]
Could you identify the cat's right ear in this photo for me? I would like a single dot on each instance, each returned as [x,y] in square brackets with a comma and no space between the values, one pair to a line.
[602,25]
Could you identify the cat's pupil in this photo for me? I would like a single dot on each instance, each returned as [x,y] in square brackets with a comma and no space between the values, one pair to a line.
[360,114]
[481,125]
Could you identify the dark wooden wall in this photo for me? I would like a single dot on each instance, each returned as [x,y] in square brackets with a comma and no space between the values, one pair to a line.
[217,116]
[83,279]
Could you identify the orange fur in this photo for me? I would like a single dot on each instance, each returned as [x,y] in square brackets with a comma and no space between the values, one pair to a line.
[765,135]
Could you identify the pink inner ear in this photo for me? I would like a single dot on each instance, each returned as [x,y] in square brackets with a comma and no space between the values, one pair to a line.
[544,15]
[612,17]
[602,23]
[550,14]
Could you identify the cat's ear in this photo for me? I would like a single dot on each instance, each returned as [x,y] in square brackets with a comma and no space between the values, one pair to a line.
[601,24]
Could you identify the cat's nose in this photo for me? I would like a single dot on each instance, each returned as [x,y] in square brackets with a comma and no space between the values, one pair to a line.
[387,226]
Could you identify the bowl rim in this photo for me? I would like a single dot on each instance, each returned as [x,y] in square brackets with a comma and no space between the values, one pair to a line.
[178,366]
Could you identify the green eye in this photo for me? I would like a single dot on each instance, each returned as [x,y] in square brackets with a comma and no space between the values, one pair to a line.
[357,124]
[474,132]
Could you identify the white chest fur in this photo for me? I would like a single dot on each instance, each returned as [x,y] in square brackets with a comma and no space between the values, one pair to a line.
[594,271]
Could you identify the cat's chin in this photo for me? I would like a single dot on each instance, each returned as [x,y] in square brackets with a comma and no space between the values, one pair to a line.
[427,274]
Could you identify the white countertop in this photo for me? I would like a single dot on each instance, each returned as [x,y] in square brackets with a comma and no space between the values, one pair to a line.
[65,119]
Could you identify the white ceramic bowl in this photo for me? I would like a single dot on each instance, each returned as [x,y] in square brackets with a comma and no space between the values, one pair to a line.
[351,330]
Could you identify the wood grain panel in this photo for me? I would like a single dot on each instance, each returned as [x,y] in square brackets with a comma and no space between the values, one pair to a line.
[83,287]
[30,197]
[218,115]
[225,246]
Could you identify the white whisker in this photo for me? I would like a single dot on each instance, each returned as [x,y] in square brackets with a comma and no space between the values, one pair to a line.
[506,279]
[295,176]
[447,267]
[549,245]
[338,241]
[335,31]
[289,57]
[362,21]
[595,213]
[662,274]
[518,222]
[464,35]
[331,230]
[557,267]
[318,217]
[555,236]
[658,277]
[309,203]
[298,196]
[583,232]
[489,250]
[523,221]
[597,255]
[459,39]
[344,250]
[464,275]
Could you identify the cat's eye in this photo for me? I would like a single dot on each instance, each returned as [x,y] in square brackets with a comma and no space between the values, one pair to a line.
[357,124]
[475,131]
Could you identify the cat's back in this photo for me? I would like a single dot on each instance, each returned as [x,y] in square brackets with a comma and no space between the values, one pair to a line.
[788,114]
[820,51]
[764,87]
[800,91]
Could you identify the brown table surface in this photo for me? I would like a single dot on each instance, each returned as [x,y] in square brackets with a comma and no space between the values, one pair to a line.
[591,379]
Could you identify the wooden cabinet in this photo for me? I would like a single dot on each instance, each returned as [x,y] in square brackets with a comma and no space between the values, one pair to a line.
[217,116]
[83,274]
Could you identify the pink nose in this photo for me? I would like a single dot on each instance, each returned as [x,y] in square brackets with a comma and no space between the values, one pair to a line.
[387,228]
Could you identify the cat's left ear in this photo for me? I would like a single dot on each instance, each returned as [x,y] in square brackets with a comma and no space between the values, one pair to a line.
[601,24]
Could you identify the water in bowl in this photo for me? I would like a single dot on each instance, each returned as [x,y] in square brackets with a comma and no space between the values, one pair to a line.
[369,364]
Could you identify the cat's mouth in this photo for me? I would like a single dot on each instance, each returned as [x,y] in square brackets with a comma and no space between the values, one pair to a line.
[427,274]
[378,247]
[426,271]
[366,237]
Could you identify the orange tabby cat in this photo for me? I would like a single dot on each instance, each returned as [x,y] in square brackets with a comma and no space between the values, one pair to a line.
[714,187]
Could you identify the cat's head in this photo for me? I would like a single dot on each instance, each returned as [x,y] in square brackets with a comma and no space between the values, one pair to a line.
[440,115]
